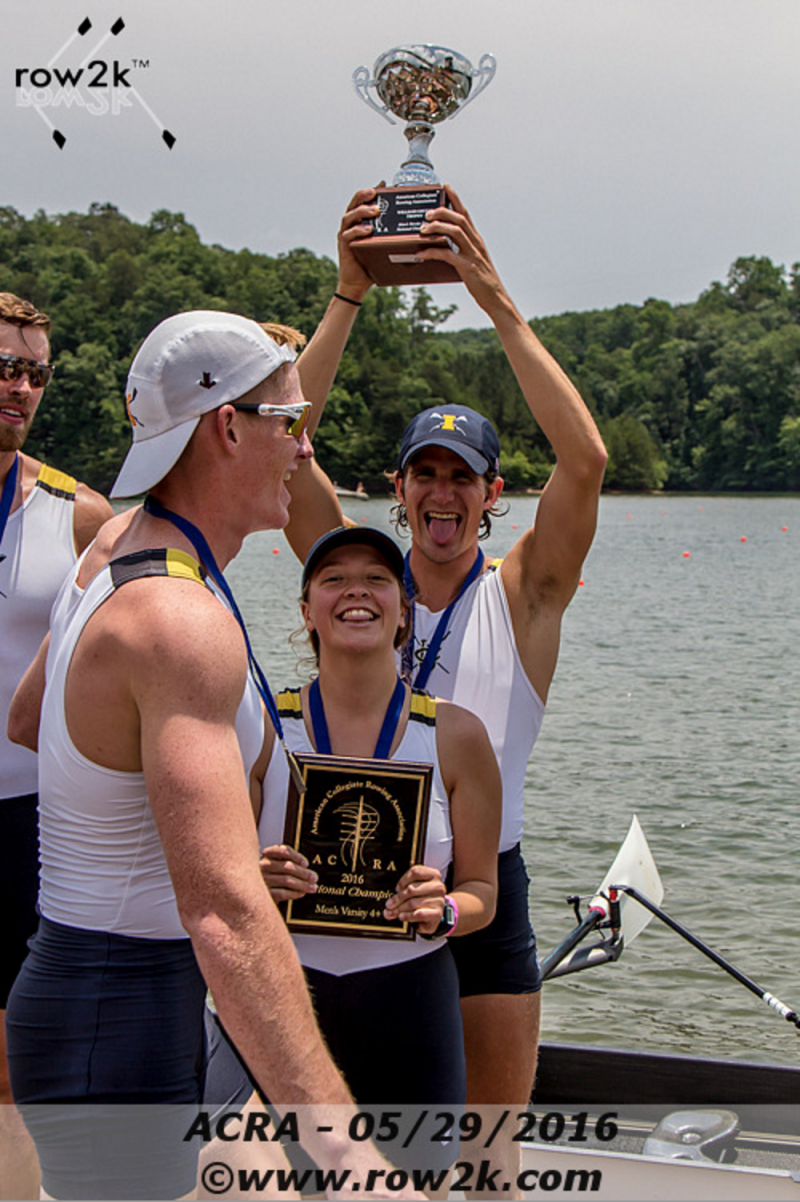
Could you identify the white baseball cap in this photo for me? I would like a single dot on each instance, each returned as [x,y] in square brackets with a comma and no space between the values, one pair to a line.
[188,365]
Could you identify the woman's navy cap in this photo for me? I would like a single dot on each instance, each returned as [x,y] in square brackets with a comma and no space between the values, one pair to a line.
[459,429]
[356,536]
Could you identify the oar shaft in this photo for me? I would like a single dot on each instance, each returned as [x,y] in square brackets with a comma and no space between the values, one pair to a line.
[773,1002]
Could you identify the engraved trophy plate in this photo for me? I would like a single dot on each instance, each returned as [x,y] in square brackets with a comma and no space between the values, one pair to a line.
[360,824]
[423,85]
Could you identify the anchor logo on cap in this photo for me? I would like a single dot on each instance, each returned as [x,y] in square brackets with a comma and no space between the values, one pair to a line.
[447,421]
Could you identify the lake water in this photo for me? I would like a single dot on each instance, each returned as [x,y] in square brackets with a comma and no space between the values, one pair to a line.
[677,698]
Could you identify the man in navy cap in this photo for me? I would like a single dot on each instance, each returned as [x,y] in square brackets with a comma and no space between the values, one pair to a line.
[486,635]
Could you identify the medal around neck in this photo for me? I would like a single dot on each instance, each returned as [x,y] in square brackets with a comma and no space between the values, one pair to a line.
[422,85]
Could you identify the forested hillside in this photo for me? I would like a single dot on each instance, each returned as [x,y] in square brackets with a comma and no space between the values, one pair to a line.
[702,396]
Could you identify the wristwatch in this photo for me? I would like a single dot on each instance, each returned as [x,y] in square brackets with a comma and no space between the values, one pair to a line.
[447,923]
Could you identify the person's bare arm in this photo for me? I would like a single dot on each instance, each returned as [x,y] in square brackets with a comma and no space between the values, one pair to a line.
[319,362]
[314,510]
[315,507]
[26,704]
[91,511]
[259,769]
[541,571]
[472,779]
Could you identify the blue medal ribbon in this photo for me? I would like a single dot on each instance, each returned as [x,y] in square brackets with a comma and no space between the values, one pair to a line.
[206,557]
[7,499]
[432,651]
[388,729]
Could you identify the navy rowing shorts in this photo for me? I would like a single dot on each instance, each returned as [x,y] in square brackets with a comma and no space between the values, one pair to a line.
[19,883]
[106,1049]
[501,958]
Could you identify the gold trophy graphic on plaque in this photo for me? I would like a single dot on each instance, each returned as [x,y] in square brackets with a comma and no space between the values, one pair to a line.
[359,823]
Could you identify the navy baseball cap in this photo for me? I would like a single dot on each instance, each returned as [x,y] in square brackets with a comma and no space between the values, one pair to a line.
[457,428]
[358,536]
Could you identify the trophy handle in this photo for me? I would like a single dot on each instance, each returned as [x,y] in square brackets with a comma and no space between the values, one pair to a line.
[362,83]
[482,76]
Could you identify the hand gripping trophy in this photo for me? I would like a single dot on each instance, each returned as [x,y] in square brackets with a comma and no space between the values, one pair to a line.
[423,86]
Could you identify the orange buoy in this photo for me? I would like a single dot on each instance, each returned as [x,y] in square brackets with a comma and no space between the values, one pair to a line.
[687,555]
[784,528]
[276,550]
[743,539]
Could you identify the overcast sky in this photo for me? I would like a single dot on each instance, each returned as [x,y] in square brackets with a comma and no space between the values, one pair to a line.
[625,149]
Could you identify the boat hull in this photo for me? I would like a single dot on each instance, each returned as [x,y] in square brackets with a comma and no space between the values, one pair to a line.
[612,1101]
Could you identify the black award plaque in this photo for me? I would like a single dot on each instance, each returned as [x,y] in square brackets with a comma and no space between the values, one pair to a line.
[360,824]
[390,255]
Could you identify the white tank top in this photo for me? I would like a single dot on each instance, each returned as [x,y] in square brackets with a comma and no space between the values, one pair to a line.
[478,667]
[103,866]
[339,954]
[37,553]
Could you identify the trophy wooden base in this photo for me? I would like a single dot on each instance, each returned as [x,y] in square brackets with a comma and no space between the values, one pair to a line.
[390,255]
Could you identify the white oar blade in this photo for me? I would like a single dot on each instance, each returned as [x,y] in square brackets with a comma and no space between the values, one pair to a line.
[634,865]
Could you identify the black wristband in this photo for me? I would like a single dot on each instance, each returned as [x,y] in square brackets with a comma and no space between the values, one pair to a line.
[347,300]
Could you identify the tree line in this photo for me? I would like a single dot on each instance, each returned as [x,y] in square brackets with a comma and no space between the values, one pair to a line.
[702,396]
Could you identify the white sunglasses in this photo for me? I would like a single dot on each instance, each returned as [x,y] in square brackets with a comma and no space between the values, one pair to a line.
[299,414]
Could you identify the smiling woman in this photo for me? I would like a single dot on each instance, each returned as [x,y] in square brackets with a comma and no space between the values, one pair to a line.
[356,556]
[367,989]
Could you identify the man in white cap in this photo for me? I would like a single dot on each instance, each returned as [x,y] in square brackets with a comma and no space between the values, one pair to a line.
[151,721]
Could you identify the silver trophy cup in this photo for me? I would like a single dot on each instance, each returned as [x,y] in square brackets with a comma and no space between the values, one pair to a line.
[423,86]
